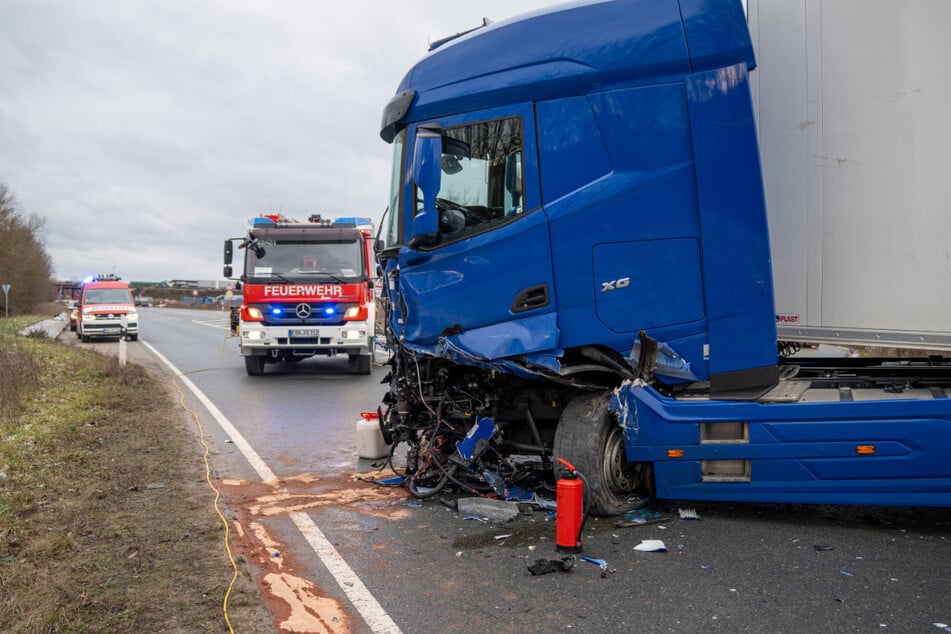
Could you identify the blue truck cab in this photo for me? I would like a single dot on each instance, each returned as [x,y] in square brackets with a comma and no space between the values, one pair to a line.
[576,249]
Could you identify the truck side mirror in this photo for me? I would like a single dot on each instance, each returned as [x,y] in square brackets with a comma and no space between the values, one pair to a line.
[426,175]
[229,253]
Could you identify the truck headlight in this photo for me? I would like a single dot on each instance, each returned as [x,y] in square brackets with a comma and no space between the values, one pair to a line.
[354,334]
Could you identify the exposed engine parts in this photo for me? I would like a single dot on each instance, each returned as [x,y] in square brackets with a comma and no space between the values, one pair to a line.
[476,430]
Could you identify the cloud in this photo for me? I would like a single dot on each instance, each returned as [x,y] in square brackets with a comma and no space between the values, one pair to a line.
[147,132]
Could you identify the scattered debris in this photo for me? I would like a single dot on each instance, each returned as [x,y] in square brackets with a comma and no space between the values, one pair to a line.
[385,482]
[544,566]
[503,536]
[155,485]
[689,514]
[414,505]
[477,518]
[847,573]
[651,546]
[497,510]
[640,517]
[823,547]
[600,563]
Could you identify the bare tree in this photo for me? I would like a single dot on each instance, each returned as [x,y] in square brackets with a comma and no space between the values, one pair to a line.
[24,263]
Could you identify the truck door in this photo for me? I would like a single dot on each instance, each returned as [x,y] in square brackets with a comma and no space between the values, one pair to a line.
[481,282]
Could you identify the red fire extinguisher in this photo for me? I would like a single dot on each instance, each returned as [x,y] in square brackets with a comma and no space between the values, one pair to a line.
[570,509]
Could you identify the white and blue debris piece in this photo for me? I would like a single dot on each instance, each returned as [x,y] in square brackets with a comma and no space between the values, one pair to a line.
[482,431]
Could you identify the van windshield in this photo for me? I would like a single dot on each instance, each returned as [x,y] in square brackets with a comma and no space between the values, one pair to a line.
[107,296]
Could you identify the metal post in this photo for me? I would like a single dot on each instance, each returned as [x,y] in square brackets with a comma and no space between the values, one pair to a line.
[6,301]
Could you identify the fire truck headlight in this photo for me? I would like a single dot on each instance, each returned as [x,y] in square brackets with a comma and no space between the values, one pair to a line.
[254,334]
[354,334]
[355,312]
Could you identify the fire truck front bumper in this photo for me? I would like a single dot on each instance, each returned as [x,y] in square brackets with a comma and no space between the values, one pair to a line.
[350,338]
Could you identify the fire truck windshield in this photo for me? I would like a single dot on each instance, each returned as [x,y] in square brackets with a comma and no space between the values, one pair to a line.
[289,260]
[107,296]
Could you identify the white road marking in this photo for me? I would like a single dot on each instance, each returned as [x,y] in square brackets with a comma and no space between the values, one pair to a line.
[368,607]
[223,323]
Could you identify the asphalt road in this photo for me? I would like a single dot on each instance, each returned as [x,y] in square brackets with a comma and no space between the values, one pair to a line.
[741,568]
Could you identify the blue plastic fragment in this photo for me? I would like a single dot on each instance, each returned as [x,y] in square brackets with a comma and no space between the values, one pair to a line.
[415,505]
[520,494]
[597,562]
[483,430]
[392,481]
[495,481]
[476,517]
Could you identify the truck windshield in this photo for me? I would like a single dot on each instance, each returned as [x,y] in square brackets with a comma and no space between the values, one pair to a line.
[107,296]
[391,233]
[338,261]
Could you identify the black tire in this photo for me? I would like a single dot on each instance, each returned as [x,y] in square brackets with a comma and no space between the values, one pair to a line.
[254,365]
[83,338]
[590,438]
[360,363]
[134,337]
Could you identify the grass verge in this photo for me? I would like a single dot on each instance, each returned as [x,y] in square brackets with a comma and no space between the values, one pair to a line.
[106,523]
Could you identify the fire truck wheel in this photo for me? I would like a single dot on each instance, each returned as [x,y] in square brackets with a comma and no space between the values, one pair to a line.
[360,363]
[254,365]
[133,337]
[589,437]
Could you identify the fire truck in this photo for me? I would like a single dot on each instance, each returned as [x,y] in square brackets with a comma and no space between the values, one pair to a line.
[106,309]
[308,289]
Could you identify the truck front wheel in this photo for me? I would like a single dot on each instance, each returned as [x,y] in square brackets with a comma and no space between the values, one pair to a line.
[254,365]
[360,363]
[590,438]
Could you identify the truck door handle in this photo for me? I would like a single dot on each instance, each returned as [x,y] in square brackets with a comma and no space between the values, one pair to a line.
[531,298]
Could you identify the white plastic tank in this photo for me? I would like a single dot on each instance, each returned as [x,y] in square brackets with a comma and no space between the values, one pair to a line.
[370,443]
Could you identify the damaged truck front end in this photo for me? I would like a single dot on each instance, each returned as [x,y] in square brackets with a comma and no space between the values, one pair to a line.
[576,265]
[529,243]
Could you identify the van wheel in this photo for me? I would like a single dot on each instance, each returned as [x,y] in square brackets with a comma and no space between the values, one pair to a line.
[360,363]
[133,337]
[254,365]
[589,437]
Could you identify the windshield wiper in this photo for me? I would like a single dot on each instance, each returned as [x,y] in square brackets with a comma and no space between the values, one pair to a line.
[332,276]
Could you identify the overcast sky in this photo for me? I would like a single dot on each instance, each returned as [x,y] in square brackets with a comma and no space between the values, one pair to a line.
[146,132]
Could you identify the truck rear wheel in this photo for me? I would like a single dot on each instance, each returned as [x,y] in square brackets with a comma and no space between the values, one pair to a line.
[254,365]
[589,437]
[360,363]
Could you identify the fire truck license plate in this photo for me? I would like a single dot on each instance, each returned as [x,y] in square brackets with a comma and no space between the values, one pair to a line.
[304,332]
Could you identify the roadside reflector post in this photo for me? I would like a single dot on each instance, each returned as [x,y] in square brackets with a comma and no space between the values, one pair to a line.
[122,340]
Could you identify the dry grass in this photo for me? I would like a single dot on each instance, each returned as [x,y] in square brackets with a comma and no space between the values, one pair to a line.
[86,545]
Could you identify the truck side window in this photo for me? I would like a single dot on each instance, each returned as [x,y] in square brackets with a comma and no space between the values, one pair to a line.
[481,184]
